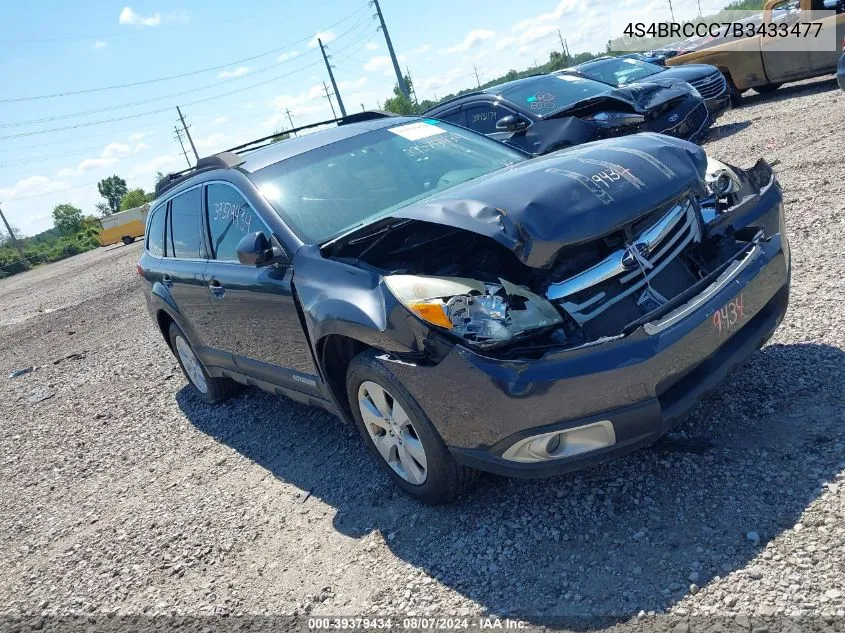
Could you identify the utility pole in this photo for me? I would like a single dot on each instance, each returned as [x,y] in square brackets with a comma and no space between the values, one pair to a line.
[671,10]
[699,8]
[363,109]
[185,127]
[179,138]
[329,97]
[14,240]
[403,88]
[563,47]
[290,118]
[331,77]
[411,86]
[477,80]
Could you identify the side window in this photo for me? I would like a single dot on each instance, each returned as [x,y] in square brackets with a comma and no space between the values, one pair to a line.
[185,235]
[454,116]
[230,217]
[155,234]
[482,117]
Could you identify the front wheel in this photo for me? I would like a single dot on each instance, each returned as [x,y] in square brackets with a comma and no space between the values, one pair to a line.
[127,240]
[400,435]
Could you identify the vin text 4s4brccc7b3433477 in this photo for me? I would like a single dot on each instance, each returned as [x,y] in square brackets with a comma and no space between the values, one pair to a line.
[467,306]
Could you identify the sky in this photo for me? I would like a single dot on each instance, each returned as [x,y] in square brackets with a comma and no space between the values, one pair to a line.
[90,87]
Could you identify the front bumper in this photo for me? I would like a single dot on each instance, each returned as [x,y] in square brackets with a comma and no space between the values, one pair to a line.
[642,383]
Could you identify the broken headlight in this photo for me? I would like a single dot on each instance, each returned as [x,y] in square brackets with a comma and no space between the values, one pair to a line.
[721,179]
[484,314]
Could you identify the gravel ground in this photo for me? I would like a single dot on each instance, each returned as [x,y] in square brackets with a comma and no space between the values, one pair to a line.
[121,493]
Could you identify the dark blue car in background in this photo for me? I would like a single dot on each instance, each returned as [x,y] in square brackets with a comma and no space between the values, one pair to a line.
[544,113]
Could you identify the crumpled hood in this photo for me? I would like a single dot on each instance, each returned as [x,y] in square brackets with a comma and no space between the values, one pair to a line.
[645,95]
[540,206]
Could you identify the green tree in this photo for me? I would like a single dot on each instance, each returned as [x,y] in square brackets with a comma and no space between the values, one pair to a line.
[160,176]
[67,219]
[399,103]
[132,199]
[103,209]
[112,189]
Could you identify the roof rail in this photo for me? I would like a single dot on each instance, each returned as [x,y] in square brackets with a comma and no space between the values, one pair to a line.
[232,158]
[355,117]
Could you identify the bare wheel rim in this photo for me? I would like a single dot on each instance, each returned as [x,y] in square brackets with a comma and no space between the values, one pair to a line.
[392,433]
[191,364]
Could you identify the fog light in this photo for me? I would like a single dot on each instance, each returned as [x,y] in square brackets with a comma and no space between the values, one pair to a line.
[560,444]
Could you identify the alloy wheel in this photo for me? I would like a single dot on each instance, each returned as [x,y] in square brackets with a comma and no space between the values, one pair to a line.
[392,432]
[191,364]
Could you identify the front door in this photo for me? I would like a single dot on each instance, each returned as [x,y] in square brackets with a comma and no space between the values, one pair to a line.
[255,316]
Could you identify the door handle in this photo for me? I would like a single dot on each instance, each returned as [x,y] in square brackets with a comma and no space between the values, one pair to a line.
[216,289]
[166,281]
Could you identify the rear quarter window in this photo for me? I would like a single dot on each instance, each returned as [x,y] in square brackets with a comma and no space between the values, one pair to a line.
[155,235]
[185,235]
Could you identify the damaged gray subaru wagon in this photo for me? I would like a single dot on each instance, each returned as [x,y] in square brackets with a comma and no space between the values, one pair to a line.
[468,307]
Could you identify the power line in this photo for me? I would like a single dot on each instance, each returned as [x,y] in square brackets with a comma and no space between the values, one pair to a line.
[188,134]
[178,76]
[178,137]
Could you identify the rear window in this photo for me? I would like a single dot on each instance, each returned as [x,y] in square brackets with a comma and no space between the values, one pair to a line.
[550,93]
[185,227]
[155,235]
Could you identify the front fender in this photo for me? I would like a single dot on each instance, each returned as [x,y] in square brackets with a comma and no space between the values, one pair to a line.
[340,299]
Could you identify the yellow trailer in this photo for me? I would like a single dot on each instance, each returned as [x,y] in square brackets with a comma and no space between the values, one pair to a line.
[123,226]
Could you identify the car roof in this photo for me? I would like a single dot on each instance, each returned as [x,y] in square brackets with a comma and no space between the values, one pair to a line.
[271,154]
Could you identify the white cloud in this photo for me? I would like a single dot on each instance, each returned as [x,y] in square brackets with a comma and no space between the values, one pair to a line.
[419,50]
[128,16]
[537,33]
[473,38]
[379,62]
[140,147]
[32,186]
[219,120]
[113,150]
[240,71]
[100,44]
[137,136]
[442,83]
[352,85]
[505,42]
[163,163]
[325,36]
[287,55]
[371,46]
[563,7]
[94,163]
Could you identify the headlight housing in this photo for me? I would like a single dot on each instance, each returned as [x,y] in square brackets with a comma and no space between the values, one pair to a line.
[483,314]
[614,119]
[721,179]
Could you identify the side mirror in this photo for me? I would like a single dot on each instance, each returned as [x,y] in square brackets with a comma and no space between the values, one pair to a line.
[511,123]
[255,249]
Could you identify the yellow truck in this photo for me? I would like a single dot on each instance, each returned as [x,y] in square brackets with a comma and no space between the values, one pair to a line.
[123,226]
[762,63]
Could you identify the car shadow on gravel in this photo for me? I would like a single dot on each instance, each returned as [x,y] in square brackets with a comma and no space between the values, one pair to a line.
[639,533]
[718,132]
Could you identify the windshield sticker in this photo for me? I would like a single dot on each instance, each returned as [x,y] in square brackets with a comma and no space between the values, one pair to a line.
[633,62]
[417,131]
[567,77]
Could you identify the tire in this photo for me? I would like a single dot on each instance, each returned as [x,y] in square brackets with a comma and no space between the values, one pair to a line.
[127,240]
[209,390]
[443,478]
[736,96]
[767,89]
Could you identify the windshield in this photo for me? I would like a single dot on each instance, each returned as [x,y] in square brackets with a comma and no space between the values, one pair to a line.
[328,191]
[618,72]
[550,93]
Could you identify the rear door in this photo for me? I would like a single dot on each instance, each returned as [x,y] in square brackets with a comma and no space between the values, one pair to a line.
[183,271]
[255,316]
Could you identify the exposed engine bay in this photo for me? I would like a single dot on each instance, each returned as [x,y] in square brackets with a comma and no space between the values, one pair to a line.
[481,292]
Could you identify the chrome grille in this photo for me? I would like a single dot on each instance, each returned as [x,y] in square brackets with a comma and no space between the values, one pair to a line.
[588,294]
[710,86]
